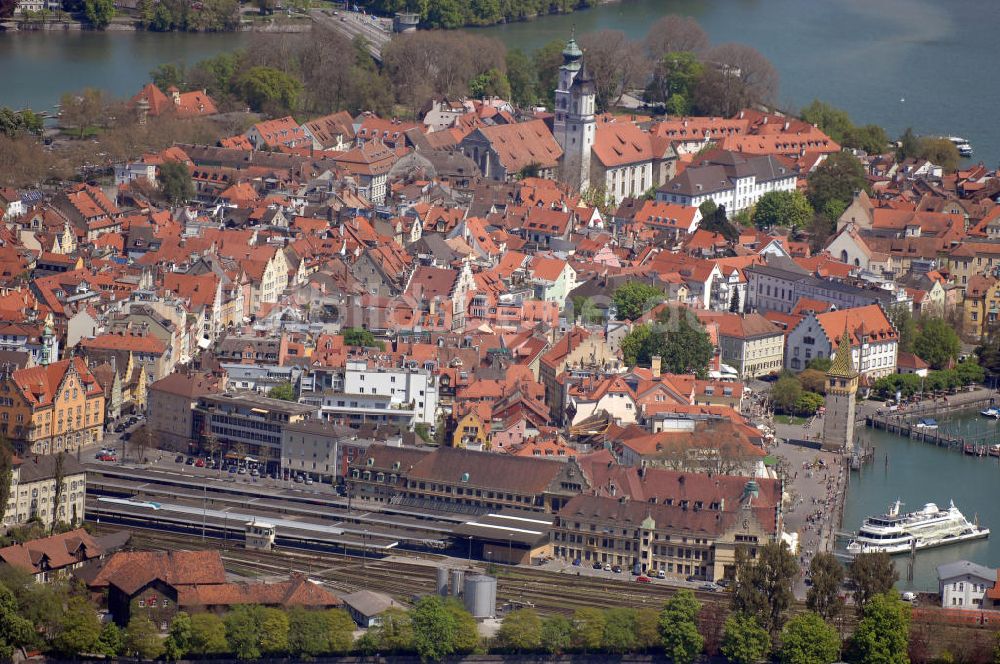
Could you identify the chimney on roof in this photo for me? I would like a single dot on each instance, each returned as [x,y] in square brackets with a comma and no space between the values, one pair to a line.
[656,366]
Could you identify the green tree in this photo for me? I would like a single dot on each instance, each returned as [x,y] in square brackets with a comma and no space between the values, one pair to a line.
[940,152]
[808,403]
[308,633]
[522,77]
[679,627]
[271,90]
[674,80]
[557,634]
[835,180]
[807,639]
[785,392]
[936,343]
[520,631]
[59,481]
[15,630]
[969,372]
[340,630]
[647,629]
[78,629]
[906,327]
[834,122]
[620,628]
[548,59]
[734,302]
[82,111]
[99,12]
[588,629]
[882,634]
[208,635]
[635,298]
[827,575]
[870,138]
[170,74]
[395,634]
[111,642]
[714,220]
[175,182]
[819,364]
[356,336]
[873,574]
[909,145]
[243,631]
[782,208]
[434,629]
[178,641]
[764,586]
[491,83]
[284,391]
[466,638]
[274,628]
[744,641]
[14,124]
[142,639]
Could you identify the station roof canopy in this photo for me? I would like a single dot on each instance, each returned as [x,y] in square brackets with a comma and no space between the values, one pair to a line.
[520,526]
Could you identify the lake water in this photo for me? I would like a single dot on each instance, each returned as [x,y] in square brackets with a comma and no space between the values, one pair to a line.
[37,67]
[920,473]
[860,55]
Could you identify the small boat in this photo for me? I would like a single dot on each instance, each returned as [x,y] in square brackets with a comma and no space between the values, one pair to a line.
[995,450]
[991,412]
[927,423]
[963,146]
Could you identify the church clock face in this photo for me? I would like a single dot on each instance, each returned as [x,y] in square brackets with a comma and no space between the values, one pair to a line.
[746,524]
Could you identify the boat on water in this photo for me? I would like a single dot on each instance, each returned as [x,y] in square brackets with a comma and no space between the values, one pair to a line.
[995,450]
[991,412]
[928,527]
[962,145]
[927,423]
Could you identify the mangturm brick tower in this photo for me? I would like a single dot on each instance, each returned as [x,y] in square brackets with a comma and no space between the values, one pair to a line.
[841,388]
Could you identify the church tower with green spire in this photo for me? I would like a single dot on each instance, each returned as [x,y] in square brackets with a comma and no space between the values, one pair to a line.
[841,391]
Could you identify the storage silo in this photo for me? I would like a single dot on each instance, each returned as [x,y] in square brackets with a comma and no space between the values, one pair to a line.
[456,581]
[442,581]
[481,596]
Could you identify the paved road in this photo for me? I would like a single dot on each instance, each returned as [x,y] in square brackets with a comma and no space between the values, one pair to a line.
[377,31]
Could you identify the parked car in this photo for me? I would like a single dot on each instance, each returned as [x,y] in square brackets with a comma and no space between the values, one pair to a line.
[232,470]
[179,458]
[642,578]
[661,574]
[189,461]
[254,473]
[577,562]
[242,470]
[309,481]
[199,463]
[709,587]
[607,567]
[908,596]
[299,479]
[597,565]
[107,457]
[617,569]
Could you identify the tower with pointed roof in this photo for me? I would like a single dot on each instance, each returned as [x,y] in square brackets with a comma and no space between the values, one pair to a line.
[841,391]
[575,125]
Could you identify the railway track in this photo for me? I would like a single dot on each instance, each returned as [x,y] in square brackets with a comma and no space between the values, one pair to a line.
[549,592]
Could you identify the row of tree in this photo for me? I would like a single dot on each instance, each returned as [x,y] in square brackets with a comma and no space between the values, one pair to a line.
[458,13]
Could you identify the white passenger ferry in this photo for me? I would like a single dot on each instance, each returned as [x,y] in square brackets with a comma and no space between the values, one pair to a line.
[963,146]
[930,526]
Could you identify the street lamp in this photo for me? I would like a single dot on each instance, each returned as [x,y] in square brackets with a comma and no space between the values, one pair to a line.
[470,550]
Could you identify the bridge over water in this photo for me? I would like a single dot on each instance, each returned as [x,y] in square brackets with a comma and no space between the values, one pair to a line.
[377,31]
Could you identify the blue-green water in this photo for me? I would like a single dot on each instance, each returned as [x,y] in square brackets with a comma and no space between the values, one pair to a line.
[919,473]
[862,55]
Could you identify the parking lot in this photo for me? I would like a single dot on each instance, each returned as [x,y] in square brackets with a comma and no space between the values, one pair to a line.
[586,568]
